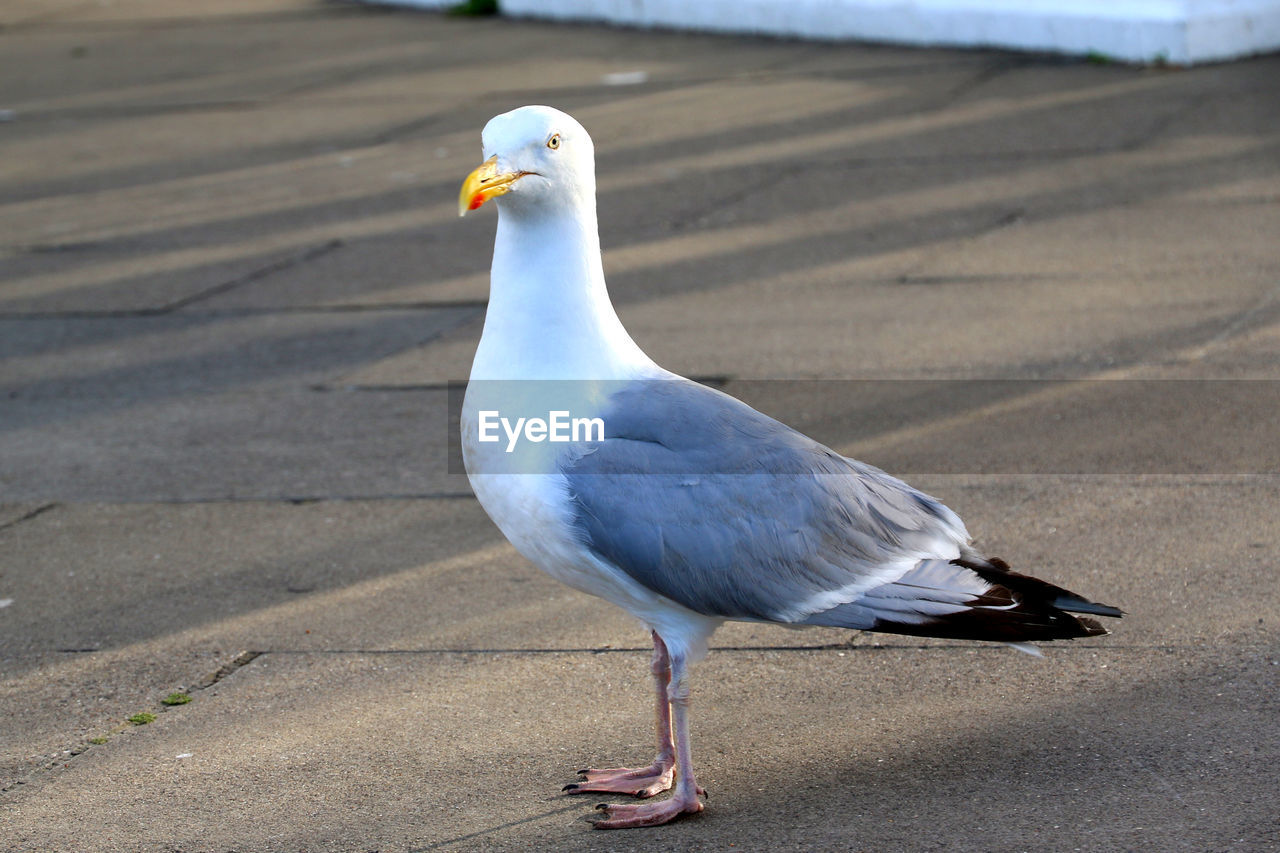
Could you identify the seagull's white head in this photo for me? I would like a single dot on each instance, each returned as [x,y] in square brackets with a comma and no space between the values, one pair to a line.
[535,157]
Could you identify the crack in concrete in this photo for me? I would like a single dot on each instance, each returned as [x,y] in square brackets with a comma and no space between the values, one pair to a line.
[480,833]
[40,510]
[855,643]
[1160,124]
[929,256]
[293,260]
[65,756]
[694,217]
[985,75]
[244,658]
[1264,311]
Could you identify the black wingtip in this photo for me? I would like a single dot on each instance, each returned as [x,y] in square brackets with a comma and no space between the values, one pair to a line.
[997,571]
[1017,609]
[1076,604]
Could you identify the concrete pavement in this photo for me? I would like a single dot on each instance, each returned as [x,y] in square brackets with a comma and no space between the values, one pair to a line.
[233,290]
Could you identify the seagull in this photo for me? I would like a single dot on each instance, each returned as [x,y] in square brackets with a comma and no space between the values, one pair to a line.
[675,501]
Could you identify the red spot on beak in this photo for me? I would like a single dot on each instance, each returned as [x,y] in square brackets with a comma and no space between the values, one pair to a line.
[476,201]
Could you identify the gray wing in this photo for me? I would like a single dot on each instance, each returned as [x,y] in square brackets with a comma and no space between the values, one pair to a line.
[701,498]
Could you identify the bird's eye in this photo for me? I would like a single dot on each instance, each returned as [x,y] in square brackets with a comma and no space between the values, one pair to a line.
[554,142]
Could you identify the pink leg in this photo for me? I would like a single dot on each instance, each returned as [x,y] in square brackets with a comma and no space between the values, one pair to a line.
[685,799]
[658,776]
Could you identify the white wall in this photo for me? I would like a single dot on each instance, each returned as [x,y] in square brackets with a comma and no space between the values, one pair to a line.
[1181,32]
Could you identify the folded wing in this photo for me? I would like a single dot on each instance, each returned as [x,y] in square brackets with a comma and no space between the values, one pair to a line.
[732,514]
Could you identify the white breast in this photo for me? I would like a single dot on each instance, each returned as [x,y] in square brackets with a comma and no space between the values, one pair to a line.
[534,511]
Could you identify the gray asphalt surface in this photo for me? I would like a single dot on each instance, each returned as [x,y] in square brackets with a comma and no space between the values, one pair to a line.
[234,290]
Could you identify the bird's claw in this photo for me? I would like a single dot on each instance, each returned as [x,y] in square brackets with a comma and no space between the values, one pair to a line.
[627,816]
[641,782]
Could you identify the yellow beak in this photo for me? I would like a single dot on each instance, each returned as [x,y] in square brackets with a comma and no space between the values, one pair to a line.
[485,183]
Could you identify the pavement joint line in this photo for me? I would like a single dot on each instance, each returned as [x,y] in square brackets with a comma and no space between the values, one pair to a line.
[872,72]
[851,645]
[40,510]
[297,500]
[1126,369]
[128,111]
[394,134]
[341,308]
[58,20]
[247,656]
[340,388]
[188,256]
[985,480]
[1064,153]
[713,380]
